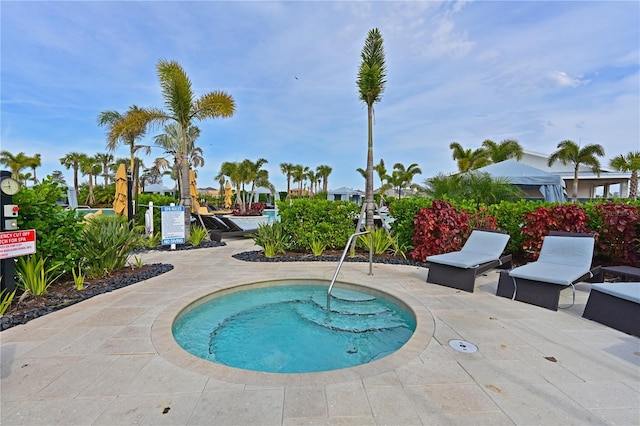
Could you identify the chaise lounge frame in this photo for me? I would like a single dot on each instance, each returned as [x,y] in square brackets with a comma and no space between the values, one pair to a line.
[464,278]
[606,306]
[541,293]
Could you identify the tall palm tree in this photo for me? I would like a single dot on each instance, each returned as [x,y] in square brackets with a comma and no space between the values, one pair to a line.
[183,108]
[508,148]
[468,159]
[371,83]
[104,159]
[323,171]
[73,160]
[629,163]
[16,163]
[570,152]
[287,170]
[402,177]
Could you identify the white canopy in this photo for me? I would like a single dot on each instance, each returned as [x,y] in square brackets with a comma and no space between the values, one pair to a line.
[550,185]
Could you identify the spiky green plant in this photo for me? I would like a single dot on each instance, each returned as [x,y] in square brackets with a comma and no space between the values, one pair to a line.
[107,242]
[5,300]
[318,245]
[78,278]
[197,235]
[382,240]
[34,275]
[272,238]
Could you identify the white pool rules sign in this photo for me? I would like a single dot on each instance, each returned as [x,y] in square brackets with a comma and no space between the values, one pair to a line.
[172,225]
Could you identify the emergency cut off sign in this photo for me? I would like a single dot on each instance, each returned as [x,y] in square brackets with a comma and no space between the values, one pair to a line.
[17,243]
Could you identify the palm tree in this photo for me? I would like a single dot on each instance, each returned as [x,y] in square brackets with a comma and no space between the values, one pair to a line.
[34,162]
[233,171]
[401,177]
[311,177]
[477,186]
[171,142]
[629,163]
[89,166]
[73,160]
[256,176]
[184,108]
[385,179]
[105,159]
[323,171]
[287,170]
[468,159]
[508,148]
[126,128]
[299,175]
[58,176]
[570,152]
[16,163]
[371,83]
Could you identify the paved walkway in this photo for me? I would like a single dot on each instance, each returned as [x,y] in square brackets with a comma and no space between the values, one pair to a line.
[111,360]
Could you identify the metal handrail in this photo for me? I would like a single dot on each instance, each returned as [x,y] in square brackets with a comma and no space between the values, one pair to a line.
[344,253]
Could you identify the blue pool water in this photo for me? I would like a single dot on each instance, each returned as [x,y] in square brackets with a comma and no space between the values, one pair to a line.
[286,329]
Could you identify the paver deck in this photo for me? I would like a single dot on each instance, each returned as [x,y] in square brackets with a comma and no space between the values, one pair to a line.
[111,360]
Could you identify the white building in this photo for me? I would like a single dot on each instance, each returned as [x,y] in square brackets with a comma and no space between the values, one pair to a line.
[610,183]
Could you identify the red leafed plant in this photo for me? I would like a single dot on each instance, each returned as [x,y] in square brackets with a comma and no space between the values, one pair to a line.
[439,229]
[618,236]
[256,209]
[561,217]
[482,220]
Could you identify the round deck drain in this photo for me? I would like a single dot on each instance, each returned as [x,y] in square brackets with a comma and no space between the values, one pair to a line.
[462,346]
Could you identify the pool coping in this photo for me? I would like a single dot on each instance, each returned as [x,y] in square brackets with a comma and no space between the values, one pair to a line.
[166,346]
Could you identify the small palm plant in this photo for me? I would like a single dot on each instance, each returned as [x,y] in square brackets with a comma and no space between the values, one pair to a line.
[272,238]
[35,276]
[382,240]
[5,300]
[197,235]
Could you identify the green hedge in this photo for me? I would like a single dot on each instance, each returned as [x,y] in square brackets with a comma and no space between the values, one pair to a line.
[307,220]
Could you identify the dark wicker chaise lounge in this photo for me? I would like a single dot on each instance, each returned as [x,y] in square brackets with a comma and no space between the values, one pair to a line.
[564,261]
[482,251]
[616,305]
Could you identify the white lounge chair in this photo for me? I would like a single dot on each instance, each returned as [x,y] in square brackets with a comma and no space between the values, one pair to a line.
[482,251]
[564,260]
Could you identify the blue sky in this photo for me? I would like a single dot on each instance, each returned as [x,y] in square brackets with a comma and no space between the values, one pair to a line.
[537,72]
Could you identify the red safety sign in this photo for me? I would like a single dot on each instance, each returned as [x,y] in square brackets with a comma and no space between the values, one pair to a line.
[17,243]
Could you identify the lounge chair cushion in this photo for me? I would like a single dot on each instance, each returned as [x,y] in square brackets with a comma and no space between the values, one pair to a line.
[567,251]
[552,273]
[562,261]
[627,290]
[481,247]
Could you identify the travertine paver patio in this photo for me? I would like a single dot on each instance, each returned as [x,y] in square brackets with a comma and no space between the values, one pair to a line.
[110,360]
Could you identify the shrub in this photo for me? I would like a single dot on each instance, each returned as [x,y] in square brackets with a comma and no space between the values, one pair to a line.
[58,231]
[618,232]
[107,242]
[255,209]
[509,217]
[404,212]
[438,229]
[5,300]
[560,217]
[158,201]
[303,218]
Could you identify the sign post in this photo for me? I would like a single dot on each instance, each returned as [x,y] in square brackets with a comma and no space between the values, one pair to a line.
[172,225]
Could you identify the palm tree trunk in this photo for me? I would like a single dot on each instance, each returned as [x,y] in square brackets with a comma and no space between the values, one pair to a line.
[574,195]
[369,184]
[633,186]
